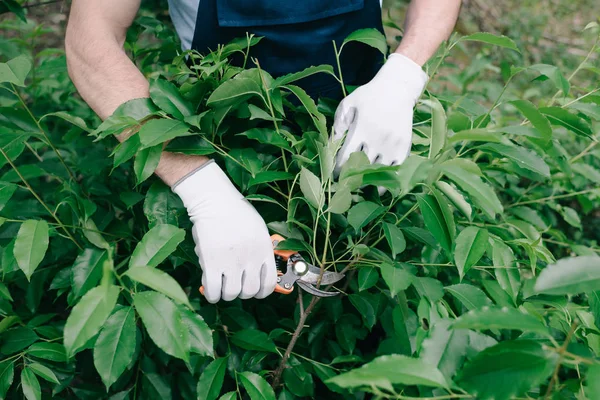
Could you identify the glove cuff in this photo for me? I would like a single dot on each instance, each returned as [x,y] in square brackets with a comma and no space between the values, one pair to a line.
[203,184]
[406,74]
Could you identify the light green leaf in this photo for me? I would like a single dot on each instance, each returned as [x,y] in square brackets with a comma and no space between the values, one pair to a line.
[159,281]
[363,213]
[253,339]
[537,119]
[256,386]
[476,135]
[48,351]
[88,316]
[43,372]
[570,276]
[445,348]
[471,245]
[201,341]
[266,136]
[470,296]
[395,238]
[163,322]
[507,370]
[499,318]
[385,371]
[396,278]
[564,118]
[479,192]
[435,220]
[367,278]
[15,71]
[553,73]
[75,120]
[456,198]
[87,270]
[5,293]
[310,185]
[490,38]
[31,245]
[156,245]
[592,378]
[293,77]
[438,127]
[115,345]
[146,161]
[341,201]
[507,276]
[368,36]
[167,97]
[234,91]
[161,205]
[6,192]
[158,131]
[269,176]
[30,385]
[522,157]
[211,380]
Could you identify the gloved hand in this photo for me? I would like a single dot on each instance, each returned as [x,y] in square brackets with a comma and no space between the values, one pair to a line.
[378,116]
[232,240]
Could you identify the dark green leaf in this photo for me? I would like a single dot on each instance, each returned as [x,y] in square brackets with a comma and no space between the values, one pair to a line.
[363,213]
[435,221]
[395,238]
[365,309]
[310,185]
[6,192]
[234,91]
[166,96]
[266,136]
[253,339]
[201,341]
[256,386]
[367,278]
[499,318]
[522,157]
[293,77]
[536,118]
[146,161]
[156,245]
[87,270]
[158,131]
[48,351]
[470,296]
[562,117]
[17,339]
[7,375]
[269,176]
[471,245]
[368,36]
[211,380]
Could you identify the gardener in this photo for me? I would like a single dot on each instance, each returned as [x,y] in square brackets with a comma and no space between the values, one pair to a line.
[232,240]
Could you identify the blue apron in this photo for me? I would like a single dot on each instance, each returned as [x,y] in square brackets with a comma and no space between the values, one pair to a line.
[296,35]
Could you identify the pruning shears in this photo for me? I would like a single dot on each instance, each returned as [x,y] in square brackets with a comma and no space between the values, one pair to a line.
[298,271]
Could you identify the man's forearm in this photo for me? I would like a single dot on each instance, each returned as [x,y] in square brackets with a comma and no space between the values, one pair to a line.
[428,23]
[106,77]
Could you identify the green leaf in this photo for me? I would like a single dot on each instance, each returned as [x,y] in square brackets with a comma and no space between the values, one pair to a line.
[253,339]
[480,193]
[31,245]
[115,345]
[385,371]
[229,396]
[499,318]
[88,316]
[163,322]
[438,127]
[201,341]
[6,192]
[369,36]
[269,176]
[125,150]
[156,245]
[15,71]
[211,380]
[553,73]
[146,161]
[266,136]
[167,97]
[17,339]
[87,270]
[560,116]
[161,205]
[159,281]
[77,121]
[476,135]
[395,238]
[363,213]
[7,375]
[293,77]
[48,351]
[592,378]
[456,198]
[470,296]
[435,220]
[367,278]
[522,157]
[311,107]
[445,348]
[507,276]
[570,276]
[310,185]
[507,370]
[396,278]
[158,131]
[5,293]
[490,38]
[341,201]
[155,386]
[43,372]
[537,119]
[234,91]
[471,245]
[30,385]
[364,308]
[256,386]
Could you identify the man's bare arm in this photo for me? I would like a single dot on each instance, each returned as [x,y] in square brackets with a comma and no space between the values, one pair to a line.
[103,73]
[428,23]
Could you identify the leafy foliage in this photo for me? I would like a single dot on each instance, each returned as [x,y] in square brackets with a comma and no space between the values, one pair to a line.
[474,276]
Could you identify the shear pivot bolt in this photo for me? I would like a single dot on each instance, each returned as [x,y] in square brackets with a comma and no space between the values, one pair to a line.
[287,285]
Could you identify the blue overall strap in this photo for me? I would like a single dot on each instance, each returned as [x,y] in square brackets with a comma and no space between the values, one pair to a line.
[292,40]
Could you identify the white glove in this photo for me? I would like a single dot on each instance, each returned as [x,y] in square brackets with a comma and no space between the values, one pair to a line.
[378,116]
[232,240]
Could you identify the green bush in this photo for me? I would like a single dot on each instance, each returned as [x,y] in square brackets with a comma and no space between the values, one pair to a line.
[476,275]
